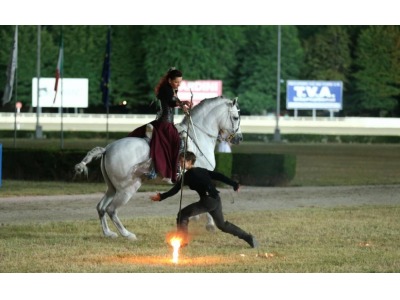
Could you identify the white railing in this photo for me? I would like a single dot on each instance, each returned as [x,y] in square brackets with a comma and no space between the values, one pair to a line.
[249,124]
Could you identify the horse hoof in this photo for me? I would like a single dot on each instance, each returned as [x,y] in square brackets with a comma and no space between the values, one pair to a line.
[210,227]
[111,235]
[167,180]
[132,237]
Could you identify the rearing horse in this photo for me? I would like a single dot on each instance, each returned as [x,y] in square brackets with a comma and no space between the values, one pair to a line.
[125,162]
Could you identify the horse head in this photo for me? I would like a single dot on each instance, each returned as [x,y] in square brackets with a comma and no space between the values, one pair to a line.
[217,117]
[231,132]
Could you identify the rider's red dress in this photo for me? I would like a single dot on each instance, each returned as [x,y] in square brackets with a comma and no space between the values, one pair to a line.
[165,141]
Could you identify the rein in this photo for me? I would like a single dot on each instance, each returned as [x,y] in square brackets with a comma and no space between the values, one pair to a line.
[201,129]
[196,144]
[215,137]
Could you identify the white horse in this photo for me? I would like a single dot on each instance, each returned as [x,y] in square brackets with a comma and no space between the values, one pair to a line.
[125,162]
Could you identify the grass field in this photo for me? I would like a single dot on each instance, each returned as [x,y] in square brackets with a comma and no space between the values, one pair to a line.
[301,241]
[309,240]
[359,239]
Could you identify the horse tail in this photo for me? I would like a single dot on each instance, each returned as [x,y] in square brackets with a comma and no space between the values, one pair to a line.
[95,153]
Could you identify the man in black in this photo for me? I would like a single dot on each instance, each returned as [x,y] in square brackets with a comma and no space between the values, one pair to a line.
[200,180]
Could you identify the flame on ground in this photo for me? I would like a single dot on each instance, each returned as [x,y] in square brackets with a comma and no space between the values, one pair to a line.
[176,244]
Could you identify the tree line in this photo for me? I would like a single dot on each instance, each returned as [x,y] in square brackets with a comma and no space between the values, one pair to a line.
[365,58]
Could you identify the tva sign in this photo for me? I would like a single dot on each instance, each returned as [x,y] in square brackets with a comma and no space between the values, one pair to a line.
[303,94]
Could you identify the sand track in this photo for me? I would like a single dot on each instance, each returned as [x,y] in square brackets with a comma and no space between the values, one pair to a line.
[38,209]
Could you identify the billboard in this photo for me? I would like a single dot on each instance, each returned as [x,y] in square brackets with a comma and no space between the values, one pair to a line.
[201,90]
[74,91]
[304,94]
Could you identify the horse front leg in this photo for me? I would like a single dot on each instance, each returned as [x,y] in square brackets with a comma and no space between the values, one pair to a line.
[210,226]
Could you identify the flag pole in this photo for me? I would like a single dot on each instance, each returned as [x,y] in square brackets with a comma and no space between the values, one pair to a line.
[11,80]
[105,78]
[15,106]
[107,135]
[59,77]
[38,127]
[16,91]
[62,83]
[62,113]
[109,76]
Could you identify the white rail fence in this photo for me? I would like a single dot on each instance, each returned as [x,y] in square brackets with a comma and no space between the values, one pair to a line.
[249,124]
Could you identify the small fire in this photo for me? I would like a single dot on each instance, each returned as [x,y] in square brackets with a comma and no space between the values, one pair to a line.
[176,244]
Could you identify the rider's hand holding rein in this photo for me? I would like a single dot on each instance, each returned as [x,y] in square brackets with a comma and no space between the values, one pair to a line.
[156,197]
[185,105]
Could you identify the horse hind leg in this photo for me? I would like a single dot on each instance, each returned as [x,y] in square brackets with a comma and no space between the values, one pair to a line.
[120,199]
[105,202]
[101,210]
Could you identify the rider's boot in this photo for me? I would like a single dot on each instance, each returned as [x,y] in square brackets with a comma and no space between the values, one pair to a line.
[149,133]
[152,172]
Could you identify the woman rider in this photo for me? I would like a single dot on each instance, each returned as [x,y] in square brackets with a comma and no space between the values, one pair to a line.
[165,141]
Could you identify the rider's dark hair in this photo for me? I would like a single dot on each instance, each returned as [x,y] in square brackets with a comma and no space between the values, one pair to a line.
[171,74]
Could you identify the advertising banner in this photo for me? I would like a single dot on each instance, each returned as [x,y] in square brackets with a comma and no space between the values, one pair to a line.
[74,92]
[201,90]
[324,95]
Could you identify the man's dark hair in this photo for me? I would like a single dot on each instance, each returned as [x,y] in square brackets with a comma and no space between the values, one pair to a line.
[189,156]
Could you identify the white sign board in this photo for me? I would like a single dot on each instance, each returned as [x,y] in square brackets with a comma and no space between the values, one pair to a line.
[201,90]
[73,92]
[314,94]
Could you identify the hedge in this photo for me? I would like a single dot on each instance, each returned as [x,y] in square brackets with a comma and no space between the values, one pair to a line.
[249,169]
[258,169]
[38,164]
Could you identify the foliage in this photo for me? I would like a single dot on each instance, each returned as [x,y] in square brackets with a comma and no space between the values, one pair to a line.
[379,62]
[328,55]
[365,58]
[257,69]
[201,52]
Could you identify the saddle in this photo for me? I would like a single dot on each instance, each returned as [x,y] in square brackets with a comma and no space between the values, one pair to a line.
[181,130]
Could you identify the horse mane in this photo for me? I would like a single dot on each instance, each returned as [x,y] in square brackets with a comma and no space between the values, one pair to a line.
[206,102]
[203,104]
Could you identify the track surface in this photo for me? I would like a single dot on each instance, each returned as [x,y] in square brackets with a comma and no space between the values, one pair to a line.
[39,209]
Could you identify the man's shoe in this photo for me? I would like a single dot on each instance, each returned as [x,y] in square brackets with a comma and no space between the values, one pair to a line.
[251,240]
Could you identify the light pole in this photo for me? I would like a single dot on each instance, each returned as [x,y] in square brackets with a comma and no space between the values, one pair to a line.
[277,134]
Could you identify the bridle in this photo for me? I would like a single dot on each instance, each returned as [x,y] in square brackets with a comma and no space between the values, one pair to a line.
[219,137]
[233,131]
